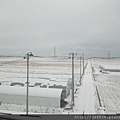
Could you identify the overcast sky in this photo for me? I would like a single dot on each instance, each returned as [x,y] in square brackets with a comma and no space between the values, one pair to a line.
[69,25]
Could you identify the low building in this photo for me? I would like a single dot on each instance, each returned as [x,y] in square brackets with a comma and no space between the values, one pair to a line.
[56,85]
[45,97]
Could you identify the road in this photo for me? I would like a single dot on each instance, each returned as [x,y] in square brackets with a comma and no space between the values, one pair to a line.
[84,98]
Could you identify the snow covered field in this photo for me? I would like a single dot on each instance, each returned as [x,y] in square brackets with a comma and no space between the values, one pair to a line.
[56,71]
[108,84]
[42,70]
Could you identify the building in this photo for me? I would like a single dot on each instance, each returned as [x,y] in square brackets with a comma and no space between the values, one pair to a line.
[45,97]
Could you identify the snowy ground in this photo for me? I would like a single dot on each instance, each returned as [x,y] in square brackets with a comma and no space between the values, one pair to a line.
[45,70]
[42,70]
[86,97]
[108,84]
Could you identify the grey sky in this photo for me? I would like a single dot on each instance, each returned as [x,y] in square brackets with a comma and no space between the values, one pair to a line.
[39,25]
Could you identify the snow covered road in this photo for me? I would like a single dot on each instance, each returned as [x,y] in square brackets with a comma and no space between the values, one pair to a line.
[84,100]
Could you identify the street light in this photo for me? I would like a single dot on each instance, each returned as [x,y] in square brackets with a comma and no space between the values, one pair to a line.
[27,56]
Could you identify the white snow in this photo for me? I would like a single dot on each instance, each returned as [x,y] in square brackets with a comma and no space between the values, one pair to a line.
[33,91]
[108,84]
[54,72]
[84,101]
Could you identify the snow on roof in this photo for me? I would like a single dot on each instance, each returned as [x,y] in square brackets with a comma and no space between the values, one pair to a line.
[33,91]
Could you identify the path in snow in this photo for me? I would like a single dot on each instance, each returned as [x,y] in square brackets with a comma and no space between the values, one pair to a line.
[84,99]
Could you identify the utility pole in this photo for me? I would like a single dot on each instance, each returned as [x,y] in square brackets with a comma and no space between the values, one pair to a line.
[72,101]
[80,70]
[109,55]
[27,56]
[83,64]
[54,52]
[27,83]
